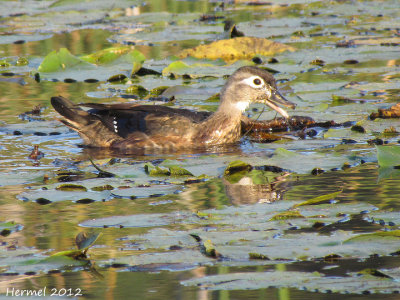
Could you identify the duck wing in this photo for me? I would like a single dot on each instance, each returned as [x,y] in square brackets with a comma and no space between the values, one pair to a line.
[126,119]
[130,126]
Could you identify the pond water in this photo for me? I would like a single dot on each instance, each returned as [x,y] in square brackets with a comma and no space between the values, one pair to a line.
[216,233]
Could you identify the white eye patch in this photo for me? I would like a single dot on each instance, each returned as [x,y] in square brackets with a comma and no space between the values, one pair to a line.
[256,82]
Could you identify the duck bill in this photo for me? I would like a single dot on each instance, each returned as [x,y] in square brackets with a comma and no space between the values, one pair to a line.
[277,99]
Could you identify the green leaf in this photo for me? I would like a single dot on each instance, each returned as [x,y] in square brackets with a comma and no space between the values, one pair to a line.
[22,61]
[237,166]
[173,170]
[282,152]
[287,215]
[202,68]
[388,156]
[375,273]
[208,216]
[388,172]
[176,67]
[236,170]
[136,66]
[261,177]
[157,91]
[339,100]
[258,256]
[63,259]
[319,200]
[178,171]
[71,187]
[6,228]
[75,254]
[209,250]
[376,236]
[100,65]
[214,98]
[137,90]
[61,60]
[84,240]
[237,48]
[109,55]
[4,63]
[105,187]
[155,170]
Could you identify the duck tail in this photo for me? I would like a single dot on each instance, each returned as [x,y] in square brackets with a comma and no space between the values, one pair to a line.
[89,126]
[75,117]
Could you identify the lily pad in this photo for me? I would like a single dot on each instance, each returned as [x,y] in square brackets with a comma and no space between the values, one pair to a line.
[12,38]
[6,228]
[144,220]
[146,191]
[254,229]
[202,69]
[287,215]
[60,60]
[300,280]
[101,65]
[237,48]
[179,171]
[48,196]
[115,55]
[378,237]
[27,260]
[71,187]
[388,156]
[188,258]
[319,199]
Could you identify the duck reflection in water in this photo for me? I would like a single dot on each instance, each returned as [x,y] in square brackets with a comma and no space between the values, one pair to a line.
[245,191]
[219,192]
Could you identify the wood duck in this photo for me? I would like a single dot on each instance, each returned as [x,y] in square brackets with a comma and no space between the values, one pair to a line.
[130,127]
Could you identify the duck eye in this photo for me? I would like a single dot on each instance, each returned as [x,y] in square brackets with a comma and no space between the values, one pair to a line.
[257,81]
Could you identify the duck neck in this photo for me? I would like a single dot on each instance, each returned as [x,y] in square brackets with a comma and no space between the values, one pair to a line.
[229,104]
[224,126]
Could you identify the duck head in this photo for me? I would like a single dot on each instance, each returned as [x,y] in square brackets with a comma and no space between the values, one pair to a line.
[251,84]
